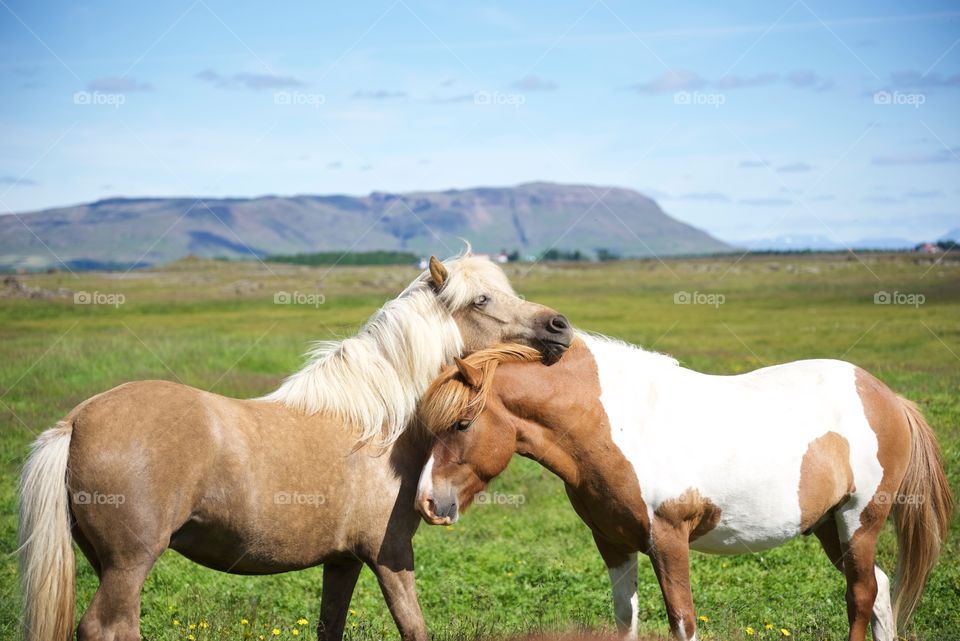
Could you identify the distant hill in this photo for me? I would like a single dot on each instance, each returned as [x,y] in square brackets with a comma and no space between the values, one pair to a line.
[530,218]
[799,242]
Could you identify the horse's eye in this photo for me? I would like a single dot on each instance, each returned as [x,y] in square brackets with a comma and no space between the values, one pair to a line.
[462,425]
[481,300]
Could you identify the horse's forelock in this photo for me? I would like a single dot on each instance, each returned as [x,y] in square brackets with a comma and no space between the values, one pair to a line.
[450,399]
[447,399]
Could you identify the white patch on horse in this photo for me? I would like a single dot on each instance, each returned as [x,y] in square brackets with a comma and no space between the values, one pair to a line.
[425,485]
[882,623]
[681,632]
[738,440]
[623,582]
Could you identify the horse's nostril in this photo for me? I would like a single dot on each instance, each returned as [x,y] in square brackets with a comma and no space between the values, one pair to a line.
[559,323]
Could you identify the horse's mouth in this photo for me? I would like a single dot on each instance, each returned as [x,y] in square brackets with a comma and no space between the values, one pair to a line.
[552,350]
[427,508]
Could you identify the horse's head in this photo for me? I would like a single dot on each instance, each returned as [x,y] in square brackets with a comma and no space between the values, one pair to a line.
[475,435]
[476,292]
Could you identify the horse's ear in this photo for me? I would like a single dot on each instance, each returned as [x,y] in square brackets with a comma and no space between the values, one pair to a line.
[471,374]
[438,273]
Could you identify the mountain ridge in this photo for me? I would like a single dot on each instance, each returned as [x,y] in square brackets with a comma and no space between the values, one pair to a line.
[531,217]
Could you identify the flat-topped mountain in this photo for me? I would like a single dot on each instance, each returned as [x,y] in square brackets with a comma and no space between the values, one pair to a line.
[530,218]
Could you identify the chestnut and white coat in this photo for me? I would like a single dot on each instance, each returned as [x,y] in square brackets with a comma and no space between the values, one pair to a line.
[662,459]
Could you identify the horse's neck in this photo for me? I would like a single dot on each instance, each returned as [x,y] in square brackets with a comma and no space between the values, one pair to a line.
[576,445]
[548,451]
[601,486]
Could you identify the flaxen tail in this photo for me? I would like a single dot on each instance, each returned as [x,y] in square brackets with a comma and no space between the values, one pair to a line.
[921,514]
[47,572]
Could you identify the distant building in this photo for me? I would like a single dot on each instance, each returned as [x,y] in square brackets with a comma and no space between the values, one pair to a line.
[503,257]
[928,248]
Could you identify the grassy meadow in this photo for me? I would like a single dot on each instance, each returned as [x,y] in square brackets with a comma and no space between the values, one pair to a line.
[502,569]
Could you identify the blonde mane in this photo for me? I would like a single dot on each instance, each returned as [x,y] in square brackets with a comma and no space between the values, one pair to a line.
[450,398]
[374,380]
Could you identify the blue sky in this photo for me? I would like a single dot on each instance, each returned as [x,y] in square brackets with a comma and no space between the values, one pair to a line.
[751,120]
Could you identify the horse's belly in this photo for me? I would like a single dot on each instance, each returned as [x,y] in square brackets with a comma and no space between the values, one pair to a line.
[250,545]
[745,538]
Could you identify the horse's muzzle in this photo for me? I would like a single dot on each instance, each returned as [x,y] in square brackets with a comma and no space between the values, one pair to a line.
[554,338]
[434,512]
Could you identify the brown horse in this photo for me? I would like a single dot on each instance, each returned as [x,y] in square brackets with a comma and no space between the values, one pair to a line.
[660,459]
[321,471]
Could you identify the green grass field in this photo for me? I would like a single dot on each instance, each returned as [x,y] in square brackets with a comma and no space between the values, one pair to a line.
[501,569]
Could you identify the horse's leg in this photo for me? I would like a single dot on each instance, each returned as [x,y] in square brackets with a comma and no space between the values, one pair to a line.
[830,542]
[339,580]
[881,621]
[398,587]
[863,577]
[87,549]
[622,568]
[114,612]
[123,544]
[882,624]
[670,555]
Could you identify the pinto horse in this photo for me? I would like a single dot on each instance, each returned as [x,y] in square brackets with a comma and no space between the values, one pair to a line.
[323,470]
[661,459]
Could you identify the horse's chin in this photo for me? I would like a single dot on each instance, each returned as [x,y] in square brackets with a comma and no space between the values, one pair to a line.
[551,351]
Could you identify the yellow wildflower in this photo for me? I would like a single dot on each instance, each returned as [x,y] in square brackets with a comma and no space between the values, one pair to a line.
[704,618]
[750,631]
[353,612]
[302,621]
[768,626]
[244,622]
[192,626]
[176,622]
[204,625]
[294,632]
[190,637]
[785,632]
[275,632]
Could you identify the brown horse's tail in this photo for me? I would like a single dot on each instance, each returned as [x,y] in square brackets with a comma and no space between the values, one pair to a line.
[47,572]
[921,513]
